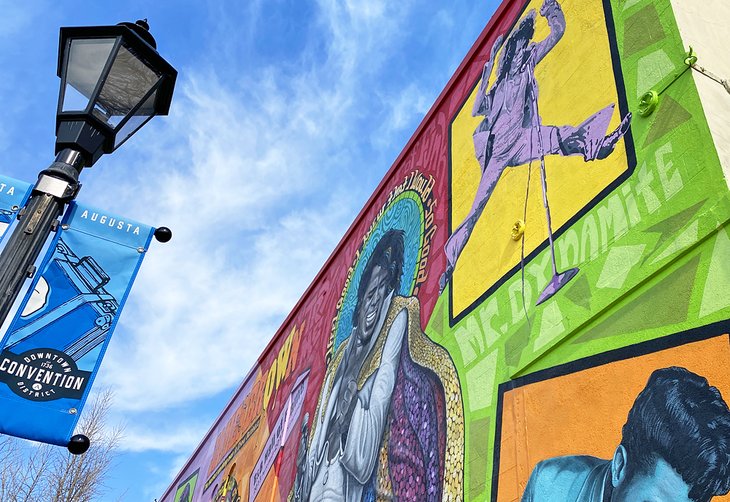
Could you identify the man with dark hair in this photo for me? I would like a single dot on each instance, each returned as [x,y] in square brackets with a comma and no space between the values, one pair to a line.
[379,283]
[380,426]
[512,133]
[675,448]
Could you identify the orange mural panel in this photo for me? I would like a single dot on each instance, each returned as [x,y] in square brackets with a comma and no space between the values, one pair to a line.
[582,413]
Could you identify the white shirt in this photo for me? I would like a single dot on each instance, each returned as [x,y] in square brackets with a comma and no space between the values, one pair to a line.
[343,477]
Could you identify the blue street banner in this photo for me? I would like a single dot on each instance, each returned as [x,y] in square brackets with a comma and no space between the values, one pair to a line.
[54,345]
[13,194]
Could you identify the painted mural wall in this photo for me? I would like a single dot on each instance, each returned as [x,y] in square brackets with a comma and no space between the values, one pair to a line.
[533,304]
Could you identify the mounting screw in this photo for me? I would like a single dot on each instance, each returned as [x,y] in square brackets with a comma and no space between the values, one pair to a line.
[518,229]
[648,103]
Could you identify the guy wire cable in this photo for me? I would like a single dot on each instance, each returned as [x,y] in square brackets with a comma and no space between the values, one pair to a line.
[522,252]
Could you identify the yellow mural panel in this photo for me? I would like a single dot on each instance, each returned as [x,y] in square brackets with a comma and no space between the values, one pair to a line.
[575,80]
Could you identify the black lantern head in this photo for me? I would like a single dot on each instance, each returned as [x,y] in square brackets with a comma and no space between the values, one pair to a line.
[112,82]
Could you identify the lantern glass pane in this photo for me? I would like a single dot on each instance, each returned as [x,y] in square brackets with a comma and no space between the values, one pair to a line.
[85,63]
[127,83]
[140,118]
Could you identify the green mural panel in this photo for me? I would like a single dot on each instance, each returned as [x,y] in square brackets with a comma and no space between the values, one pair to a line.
[580,292]
[669,115]
[479,431]
[668,227]
[666,302]
[642,30]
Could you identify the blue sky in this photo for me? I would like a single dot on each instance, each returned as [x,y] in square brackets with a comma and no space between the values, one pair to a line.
[286,116]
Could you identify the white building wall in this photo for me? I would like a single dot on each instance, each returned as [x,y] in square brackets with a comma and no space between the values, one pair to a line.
[705,25]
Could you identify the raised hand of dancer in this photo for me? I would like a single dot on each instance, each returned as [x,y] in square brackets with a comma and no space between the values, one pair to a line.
[548,6]
[496,46]
[487,70]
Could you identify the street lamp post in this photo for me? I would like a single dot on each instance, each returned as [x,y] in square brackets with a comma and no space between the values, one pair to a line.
[113,81]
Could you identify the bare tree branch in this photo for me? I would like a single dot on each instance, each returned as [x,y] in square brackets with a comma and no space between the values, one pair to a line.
[31,472]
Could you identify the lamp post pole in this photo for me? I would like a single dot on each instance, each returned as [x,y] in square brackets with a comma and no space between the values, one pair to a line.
[56,187]
[113,81]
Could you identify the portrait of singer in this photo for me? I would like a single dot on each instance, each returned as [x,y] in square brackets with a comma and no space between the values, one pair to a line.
[380,429]
[675,447]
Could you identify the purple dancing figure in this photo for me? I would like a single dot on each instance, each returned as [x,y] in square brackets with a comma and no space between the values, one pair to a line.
[511,133]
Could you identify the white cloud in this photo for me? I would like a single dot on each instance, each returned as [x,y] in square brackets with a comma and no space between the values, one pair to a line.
[177,438]
[407,105]
[363,34]
[254,180]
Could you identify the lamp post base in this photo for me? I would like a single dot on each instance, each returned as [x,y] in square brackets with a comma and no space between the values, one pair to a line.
[557,282]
